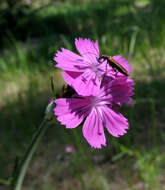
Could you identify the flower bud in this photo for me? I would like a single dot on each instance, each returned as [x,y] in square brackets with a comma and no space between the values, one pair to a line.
[49,111]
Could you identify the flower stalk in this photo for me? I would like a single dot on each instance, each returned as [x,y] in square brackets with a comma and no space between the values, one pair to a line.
[24,163]
[29,154]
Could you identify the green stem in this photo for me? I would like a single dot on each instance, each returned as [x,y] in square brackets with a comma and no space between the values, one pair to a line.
[4,182]
[28,155]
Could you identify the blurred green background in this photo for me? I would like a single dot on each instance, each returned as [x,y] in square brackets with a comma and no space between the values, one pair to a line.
[30,34]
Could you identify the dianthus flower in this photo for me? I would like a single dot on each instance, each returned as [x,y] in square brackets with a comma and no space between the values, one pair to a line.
[97,111]
[83,72]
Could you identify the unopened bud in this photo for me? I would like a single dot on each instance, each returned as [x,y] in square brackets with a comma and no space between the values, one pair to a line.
[49,110]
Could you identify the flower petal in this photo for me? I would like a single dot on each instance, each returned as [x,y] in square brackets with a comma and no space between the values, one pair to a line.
[71,112]
[69,76]
[121,89]
[69,61]
[115,123]
[87,84]
[93,130]
[88,49]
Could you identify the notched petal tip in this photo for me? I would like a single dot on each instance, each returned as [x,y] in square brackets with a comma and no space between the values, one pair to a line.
[93,131]
[98,146]
[87,48]
[115,122]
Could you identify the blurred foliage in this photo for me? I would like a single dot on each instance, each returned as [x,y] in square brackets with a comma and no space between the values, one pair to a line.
[93,17]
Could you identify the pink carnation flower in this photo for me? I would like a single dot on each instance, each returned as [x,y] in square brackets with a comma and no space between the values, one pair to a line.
[83,72]
[97,111]
[70,149]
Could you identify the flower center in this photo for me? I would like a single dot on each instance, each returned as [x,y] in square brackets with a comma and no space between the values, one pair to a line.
[97,70]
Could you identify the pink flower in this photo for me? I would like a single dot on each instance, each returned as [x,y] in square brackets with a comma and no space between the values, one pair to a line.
[70,149]
[84,72]
[97,111]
